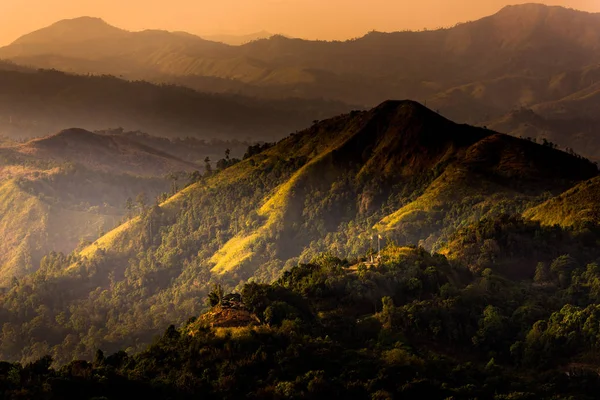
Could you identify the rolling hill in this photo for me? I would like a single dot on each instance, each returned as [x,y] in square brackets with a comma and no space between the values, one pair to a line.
[399,170]
[107,153]
[577,206]
[39,103]
[63,190]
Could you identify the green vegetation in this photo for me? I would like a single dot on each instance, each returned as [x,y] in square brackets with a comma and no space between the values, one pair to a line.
[63,191]
[473,310]
[578,206]
[315,192]
[414,325]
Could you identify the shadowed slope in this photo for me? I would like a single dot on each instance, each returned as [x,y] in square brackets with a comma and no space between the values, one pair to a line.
[105,152]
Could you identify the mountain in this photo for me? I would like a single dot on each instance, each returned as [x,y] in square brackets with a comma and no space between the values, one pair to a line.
[60,191]
[69,31]
[577,134]
[37,103]
[400,171]
[578,205]
[525,41]
[107,153]
[527,56]
[92,38]
[483,101]
[237,40]
[568,117]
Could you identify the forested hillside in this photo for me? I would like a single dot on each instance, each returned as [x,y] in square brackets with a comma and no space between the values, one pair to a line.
[182,218]
[67,189]
[399,170]
[41,102]
[414,326]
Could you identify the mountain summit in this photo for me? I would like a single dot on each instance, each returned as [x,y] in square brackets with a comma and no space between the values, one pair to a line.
[74,30]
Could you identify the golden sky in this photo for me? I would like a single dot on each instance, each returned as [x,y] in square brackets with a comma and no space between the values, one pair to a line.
[314,19]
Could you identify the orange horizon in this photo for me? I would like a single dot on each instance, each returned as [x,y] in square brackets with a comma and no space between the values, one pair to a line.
[310,19]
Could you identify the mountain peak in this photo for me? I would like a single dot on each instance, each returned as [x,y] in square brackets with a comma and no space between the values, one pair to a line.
[104,152]
[411,107]
[72,30]
[409,113]
[536,10]
[68,137]
[82,20]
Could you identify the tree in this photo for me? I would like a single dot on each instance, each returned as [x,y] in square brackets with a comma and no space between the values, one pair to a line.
[562,268]
[387,312]
[542,273]
[222,164]
[173,177]
[142,201]
[99,358]
[207,166]
[493,329]
[129,206]
[215,296]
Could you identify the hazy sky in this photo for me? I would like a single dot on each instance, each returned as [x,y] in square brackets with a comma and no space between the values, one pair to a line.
[323,19]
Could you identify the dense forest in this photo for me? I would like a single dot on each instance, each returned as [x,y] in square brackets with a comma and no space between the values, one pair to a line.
[486,202]
[411,325]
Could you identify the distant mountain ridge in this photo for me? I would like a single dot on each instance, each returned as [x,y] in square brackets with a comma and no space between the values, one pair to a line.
[74,30]
[38,103]
[237,40]
[532,56]
[112,153]
[517,40]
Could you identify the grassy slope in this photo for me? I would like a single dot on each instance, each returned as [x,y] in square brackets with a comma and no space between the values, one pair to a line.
[481,173]
[31,228]
[578,205]
[48,187]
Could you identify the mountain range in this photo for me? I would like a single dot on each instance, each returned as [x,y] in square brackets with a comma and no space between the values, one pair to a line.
[291,232]
[36,103]
[400,171]
[532,57]
[237,40]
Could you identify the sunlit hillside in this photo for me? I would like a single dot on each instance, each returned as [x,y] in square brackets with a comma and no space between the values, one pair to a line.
[399,171]
[65,190]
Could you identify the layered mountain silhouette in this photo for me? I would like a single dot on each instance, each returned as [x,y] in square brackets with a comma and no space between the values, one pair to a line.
[399,170]
[519,40]
[533,56]
[237,40]
[38,103]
